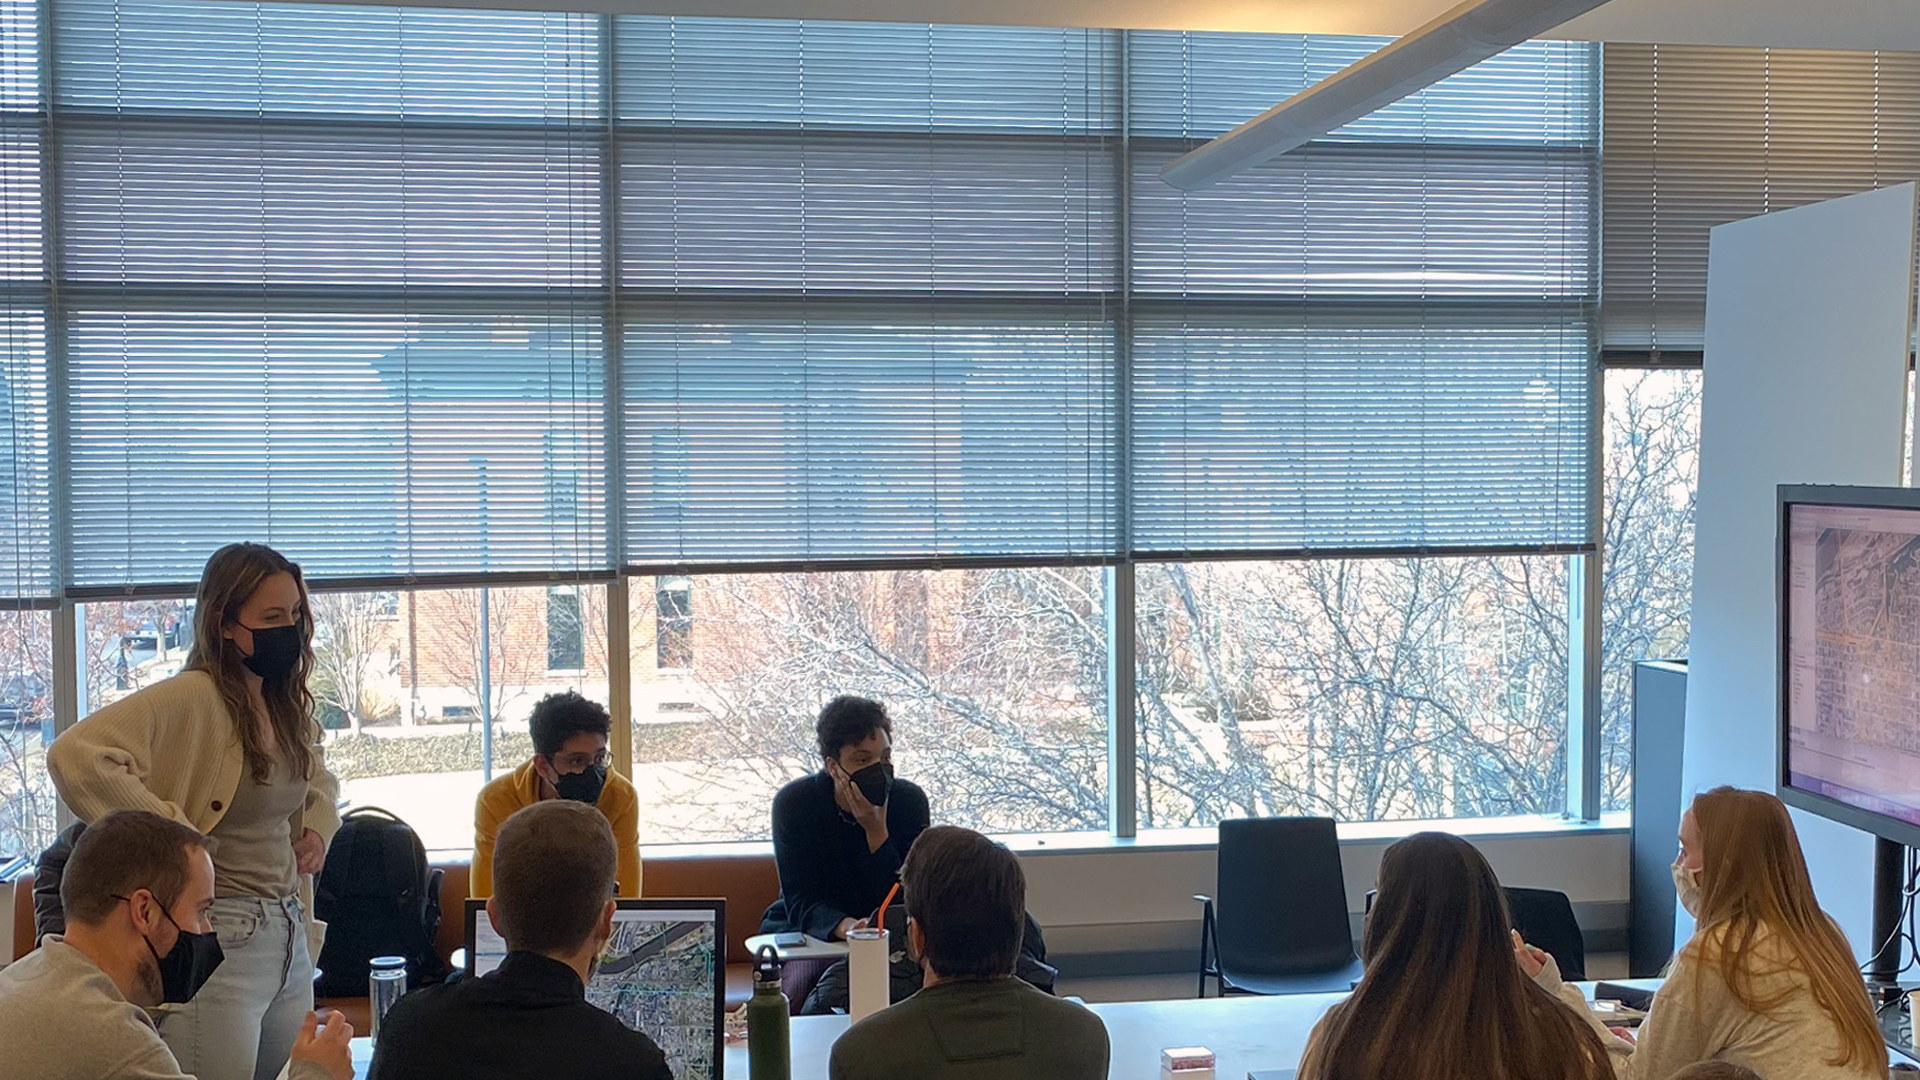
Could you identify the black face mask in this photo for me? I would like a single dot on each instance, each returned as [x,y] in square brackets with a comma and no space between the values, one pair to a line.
[188,965]
[875,782]
[276,650]
[583,786]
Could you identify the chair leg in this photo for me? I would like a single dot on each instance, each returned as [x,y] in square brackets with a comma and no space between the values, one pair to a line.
[1206,952]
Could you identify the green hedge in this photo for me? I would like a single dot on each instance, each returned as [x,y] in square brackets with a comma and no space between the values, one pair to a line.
[357,757]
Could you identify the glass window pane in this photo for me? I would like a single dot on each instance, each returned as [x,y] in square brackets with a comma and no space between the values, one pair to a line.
[1365,690]
[768,73]
[1197,83]
[566,637]
[1652,468]
[27,805]
[414,745]
[396,686]
[216,58]
[996,680]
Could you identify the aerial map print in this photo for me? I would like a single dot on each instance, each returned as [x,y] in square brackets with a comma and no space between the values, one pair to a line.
[1868,616]
[1853,658]
[657,977]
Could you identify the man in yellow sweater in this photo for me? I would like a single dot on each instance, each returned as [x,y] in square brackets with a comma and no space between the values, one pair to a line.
[569,762]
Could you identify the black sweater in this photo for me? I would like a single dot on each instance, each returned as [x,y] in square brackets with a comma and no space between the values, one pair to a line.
[527,1019]
[826,872]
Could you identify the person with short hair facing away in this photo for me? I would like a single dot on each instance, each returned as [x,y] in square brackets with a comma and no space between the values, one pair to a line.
[529,1019]
[966,901]
[230,747]
[570,761]
[1767,981]
[1442,998]
[136,893]
[841,835]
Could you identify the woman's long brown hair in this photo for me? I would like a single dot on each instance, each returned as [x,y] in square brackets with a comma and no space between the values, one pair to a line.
[231,576]
[1759,918]
[1443,997]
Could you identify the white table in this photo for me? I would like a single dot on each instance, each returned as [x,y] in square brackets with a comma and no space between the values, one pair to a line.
[1245,1033]
[814,949]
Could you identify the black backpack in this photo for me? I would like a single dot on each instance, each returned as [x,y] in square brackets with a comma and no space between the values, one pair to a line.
[378,898]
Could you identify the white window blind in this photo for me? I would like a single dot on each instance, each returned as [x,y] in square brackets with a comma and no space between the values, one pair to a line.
[348,280]
[334,282]
[869,272]
[1380,342]
[28,573]
[1699,136]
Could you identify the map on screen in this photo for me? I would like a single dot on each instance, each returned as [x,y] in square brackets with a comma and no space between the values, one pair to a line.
[657,975]
[1853,656]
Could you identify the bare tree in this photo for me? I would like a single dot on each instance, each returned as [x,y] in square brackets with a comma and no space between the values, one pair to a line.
[450,644]
[1362,690]
[354,658]
[1652,466]
[996,680]
[28,810]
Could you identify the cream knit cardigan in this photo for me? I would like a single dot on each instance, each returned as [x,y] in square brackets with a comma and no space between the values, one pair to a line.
[172,749]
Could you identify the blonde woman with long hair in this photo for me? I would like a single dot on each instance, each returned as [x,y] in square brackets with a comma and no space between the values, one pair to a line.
[230,747]
[1767,981]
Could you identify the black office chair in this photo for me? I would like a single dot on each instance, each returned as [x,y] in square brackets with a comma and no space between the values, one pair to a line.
[1281,923]
[1545,918]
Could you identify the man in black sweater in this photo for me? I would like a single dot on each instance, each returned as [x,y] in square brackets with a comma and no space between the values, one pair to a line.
[553,885]
[840,835]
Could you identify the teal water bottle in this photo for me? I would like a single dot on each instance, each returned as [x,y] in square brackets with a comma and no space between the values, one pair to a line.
[769,1053]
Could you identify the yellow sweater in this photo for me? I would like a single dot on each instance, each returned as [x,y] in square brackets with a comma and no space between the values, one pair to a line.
[519,789]
[172,749]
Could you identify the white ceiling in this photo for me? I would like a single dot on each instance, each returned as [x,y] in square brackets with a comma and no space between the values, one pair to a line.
[1810,24]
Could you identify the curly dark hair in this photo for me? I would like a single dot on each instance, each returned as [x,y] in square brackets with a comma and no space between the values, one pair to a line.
[559,717]
[850,719]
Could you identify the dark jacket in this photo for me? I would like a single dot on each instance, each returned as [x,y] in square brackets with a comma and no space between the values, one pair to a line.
[1001,1029]
[826,872]
[48,916]
[528,1019]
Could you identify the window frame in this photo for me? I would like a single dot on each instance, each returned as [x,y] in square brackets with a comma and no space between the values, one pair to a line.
[614,304]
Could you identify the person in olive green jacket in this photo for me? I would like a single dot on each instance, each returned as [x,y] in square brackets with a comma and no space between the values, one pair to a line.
[966,900]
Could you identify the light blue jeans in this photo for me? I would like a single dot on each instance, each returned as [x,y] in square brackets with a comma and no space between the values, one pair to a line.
[241,1025]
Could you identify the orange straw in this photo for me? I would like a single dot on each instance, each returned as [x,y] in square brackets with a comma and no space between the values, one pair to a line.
[879,917]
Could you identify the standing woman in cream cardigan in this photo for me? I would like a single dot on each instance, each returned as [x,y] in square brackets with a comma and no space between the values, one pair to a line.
[229,746]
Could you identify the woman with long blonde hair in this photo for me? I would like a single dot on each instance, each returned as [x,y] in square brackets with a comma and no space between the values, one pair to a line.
[230,747]
[1442,998]
[1767,981]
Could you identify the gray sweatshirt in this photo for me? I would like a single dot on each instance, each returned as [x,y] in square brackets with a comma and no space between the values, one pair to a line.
[61,1018]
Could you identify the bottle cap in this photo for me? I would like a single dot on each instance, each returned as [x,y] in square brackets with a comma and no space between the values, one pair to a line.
[767,965]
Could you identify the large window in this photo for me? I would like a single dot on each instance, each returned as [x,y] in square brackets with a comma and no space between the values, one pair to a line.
[1365,690]
[444,680]
[1652,465]
[996,680]
[27,810]
[877,357]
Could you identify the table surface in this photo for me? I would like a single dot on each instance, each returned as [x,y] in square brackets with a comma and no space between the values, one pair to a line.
[1244,1033]
[814,949]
